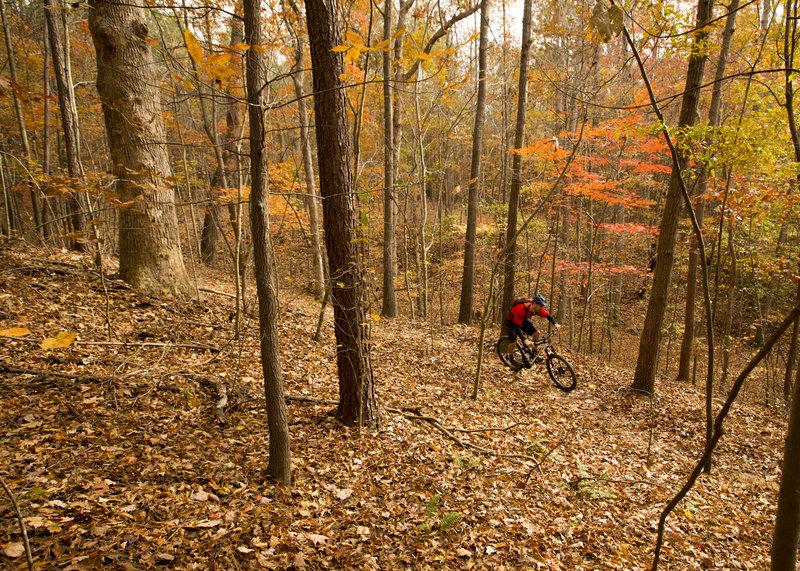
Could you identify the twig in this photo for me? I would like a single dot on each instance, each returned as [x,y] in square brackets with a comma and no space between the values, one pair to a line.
[314,400]
[199,346]
[491,429]
[515,458]
[40,372]
[538,463]
[25,542]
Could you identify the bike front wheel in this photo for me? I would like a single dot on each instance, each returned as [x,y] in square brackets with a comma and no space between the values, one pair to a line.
[513,361]
[561,373]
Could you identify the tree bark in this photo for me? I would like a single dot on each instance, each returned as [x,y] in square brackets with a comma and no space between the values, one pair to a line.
[311,198]
[687,343]
[468,277]
[357,404]
[76,201]
[279,465]
[389,308]
[23,131]
[644,376]
[150,256]
[516,164]
[787,520]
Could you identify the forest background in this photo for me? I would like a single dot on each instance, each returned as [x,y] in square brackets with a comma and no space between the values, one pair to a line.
[475,165]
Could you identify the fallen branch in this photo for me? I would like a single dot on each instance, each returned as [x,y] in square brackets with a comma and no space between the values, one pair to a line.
[448,432]
[25,541]
[55,374]
[222,293]
[314,400]
[538,463]
[492,429]
[199,346]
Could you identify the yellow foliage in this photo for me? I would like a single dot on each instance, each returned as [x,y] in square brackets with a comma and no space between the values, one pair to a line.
[14,332]
[60,341]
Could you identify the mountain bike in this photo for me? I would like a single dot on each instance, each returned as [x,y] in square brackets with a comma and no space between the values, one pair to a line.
[558,367]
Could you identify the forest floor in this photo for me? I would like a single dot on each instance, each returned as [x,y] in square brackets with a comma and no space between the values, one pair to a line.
[116,459]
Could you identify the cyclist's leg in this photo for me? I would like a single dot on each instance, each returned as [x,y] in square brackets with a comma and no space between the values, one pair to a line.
[511,331]
[530,329]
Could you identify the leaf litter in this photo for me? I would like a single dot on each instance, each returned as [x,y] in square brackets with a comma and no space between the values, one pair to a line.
[117,459]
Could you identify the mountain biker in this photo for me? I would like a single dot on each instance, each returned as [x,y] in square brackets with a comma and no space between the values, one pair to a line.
[518,321]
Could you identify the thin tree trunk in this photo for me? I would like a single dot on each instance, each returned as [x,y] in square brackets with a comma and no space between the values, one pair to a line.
[23,131]
[311,198]
[389,308]
[76,202]
[465,311]
[644,376]
[687,343]
[46,131]
[516,165]
[279,465]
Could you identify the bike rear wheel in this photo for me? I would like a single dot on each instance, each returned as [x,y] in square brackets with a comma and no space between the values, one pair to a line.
[513,361]
[561,372]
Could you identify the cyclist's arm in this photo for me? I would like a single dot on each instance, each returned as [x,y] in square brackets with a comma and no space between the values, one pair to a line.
[544,313]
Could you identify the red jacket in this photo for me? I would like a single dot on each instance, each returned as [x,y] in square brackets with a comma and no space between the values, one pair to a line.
[522,311]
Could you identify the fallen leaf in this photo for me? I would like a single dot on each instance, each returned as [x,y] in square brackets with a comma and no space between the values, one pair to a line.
[14,332]
[14,550]
[317,539]
[344,494]
[60,341]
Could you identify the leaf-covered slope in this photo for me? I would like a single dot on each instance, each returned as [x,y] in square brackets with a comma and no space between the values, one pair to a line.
[117,460]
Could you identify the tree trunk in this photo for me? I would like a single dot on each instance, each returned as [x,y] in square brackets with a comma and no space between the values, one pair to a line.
[311,199]
[787,520]
[644,376]
[389,308]
[76,201]
[468,278]
[46,131]
[23,131]
[279,465]
[150,256]
[211,218]
[687,343]
[516,165]
[357,404]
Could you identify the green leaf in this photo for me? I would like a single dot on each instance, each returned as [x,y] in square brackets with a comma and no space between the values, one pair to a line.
[433,506]
[449,521]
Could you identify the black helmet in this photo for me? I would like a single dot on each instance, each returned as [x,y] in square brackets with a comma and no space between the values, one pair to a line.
[539,298]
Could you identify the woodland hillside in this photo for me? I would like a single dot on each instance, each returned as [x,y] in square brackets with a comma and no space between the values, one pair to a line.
[255,257]
[118,460]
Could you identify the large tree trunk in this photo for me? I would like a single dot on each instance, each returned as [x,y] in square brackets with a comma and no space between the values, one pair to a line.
[644,377]
[356,392]
[516,164]
[279,452]
[468,278]
[149,246]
